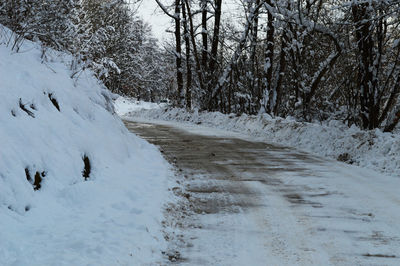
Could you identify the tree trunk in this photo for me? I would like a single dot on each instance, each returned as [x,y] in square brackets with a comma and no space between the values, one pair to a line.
[204,35]
[253,56]
[269,58]
[282,67]
[188,64]
[178,54]
[215,41]
[366,81]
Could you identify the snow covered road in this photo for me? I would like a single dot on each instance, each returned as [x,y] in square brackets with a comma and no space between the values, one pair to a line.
[252,203]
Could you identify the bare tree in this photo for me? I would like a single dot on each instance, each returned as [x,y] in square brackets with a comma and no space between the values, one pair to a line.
[178,47]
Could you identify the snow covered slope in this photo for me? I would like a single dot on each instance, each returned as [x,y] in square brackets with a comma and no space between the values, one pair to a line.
[76,188]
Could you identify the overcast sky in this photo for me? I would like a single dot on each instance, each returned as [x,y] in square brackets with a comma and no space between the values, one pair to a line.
[153,15]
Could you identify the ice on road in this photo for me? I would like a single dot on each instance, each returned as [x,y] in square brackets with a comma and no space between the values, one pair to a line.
[252,203]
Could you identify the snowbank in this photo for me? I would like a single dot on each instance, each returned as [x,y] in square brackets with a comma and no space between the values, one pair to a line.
[370,149]
[55,209]
[125,105]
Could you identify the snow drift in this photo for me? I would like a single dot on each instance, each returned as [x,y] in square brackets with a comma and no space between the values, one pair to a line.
[370,149]
[76,188]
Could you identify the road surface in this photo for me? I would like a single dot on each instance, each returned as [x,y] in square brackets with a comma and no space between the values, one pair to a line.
[241,202]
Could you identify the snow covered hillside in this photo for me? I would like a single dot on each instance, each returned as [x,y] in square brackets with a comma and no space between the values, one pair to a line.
[76,188]
[370,149]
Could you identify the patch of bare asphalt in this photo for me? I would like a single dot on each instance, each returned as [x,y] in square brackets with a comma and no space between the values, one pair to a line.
[213,176]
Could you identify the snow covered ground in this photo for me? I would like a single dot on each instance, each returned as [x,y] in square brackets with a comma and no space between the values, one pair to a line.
[369,149]
[53,209]
[126,105]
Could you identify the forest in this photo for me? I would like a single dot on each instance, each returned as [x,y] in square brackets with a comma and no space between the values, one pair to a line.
[222,132]
[313,60]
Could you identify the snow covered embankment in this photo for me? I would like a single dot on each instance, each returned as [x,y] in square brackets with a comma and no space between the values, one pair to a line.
[76,188]
[370,149]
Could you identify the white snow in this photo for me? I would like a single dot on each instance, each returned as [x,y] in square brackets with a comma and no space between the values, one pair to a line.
[125,105]
[358,216]
[370,149]
[113,218]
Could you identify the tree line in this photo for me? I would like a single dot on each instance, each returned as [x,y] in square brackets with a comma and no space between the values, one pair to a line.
[310,59]
[106,36]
